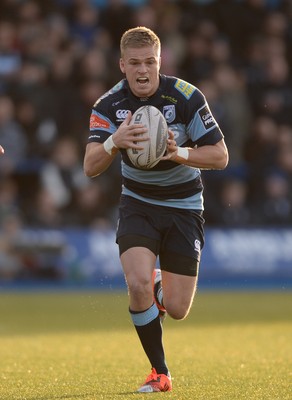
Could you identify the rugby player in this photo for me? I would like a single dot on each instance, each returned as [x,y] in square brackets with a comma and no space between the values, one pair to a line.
[161,209]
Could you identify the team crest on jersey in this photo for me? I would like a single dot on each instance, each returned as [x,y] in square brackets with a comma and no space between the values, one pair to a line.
[185,88]
[169,113]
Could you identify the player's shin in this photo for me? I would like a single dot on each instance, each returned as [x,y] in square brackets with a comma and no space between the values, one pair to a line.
[149,330]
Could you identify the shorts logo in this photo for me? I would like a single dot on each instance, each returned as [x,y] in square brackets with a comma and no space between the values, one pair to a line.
[97,122]
[206,117]
[122,114]
[169,113]
[185,88]
[197,246]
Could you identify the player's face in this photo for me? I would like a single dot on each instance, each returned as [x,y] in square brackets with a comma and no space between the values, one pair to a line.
[141,66]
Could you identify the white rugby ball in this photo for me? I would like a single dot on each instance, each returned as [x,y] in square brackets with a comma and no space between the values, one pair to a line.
[154,148]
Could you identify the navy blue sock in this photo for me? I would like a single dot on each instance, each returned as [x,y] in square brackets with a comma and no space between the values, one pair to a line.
[149,329]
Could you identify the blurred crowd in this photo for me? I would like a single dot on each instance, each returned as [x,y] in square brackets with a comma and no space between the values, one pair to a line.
[58,56]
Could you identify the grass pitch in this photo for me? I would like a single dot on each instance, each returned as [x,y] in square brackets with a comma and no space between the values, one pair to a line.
[83,346]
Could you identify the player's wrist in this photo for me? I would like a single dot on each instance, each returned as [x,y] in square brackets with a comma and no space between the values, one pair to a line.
[183,153]
[109,145]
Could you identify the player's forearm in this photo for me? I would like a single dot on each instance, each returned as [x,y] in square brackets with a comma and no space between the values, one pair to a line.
[96,159]
[206,157]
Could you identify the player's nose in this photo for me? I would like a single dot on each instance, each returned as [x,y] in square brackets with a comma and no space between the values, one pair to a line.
[142,68]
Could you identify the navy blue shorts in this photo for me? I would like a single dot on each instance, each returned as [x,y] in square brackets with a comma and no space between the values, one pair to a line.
[175,235]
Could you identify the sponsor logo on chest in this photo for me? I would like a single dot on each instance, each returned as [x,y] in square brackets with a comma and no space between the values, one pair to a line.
[121,115]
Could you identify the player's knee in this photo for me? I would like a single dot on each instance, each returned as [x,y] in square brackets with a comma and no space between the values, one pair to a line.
[139,288]
[177,314]
[178,311]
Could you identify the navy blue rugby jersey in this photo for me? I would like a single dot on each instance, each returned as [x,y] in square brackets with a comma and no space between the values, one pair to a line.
[188,116]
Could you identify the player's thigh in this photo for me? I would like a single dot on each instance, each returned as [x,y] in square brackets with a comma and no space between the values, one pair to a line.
[138,255]
[138,264]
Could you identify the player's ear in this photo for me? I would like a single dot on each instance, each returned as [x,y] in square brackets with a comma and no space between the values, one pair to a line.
[122,65]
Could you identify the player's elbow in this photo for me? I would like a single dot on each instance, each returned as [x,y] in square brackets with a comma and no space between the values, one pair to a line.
[224,160]
[89,171]
[223,156]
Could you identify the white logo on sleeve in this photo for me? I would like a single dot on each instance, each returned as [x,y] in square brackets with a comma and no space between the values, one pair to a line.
[206,117]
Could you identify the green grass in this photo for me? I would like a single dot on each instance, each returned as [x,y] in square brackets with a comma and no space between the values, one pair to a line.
[83,346]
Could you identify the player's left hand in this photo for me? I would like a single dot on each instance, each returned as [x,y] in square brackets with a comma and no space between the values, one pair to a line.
[171,149]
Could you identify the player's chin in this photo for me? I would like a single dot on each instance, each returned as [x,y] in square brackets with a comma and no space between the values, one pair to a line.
[143,89]
[142,93]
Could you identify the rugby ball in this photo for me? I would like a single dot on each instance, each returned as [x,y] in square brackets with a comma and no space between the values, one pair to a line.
[154,148]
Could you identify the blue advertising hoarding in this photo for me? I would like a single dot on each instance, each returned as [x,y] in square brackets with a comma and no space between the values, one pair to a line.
[241,257]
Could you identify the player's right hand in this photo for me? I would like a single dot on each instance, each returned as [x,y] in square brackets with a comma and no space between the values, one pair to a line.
[128,136]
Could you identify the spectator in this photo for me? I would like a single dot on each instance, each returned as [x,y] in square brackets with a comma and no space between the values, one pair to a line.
[235,210]
[12,138]
[9,198]
[56,57]
[237,113]
[117,10]
[63,173]
[275,207]
[45,212]
[91,204]
[10,262]
[10,59]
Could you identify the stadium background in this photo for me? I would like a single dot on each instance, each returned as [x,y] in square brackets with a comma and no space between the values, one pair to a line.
[57,57]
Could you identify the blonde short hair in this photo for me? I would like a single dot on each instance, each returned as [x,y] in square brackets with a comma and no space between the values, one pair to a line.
[139,37]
